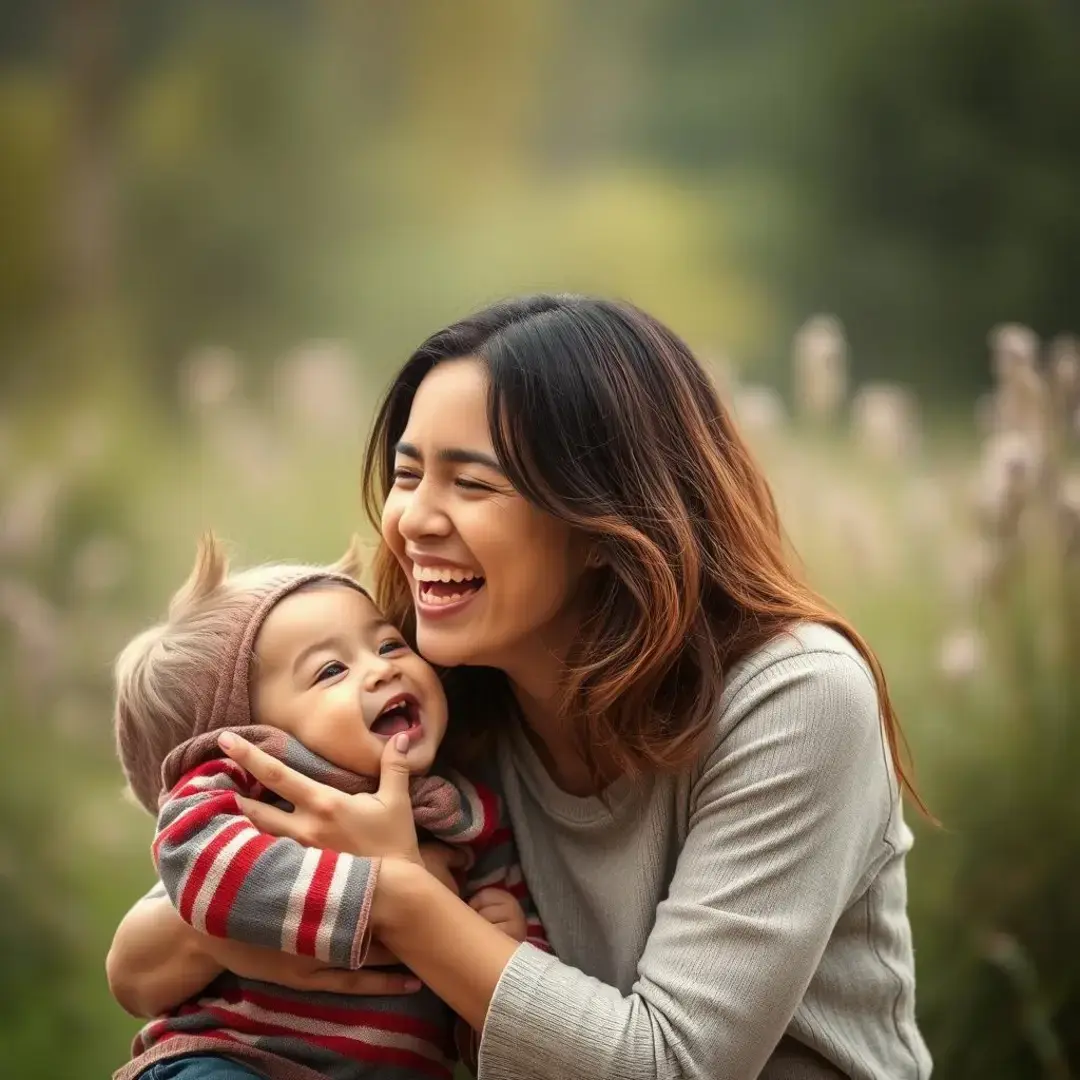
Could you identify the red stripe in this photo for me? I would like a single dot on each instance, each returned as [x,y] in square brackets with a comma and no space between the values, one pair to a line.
[190,821]
[400,1023]
[315,903]
[489,802]
[221,903]
[354,1049]
[223,767]
[201,867]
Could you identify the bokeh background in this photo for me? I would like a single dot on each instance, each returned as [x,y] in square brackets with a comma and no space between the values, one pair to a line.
[223,225]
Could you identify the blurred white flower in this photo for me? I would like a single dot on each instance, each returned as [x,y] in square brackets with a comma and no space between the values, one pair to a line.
[247,448]
[85,439]
[1069,509]
[316,387]
[1013,348]
[1009,471]
[759,410]
[962,654]
[970,568]
[1065,376]
[37,632]
[859,528]
[820,361]
[100,565]
[209,378]
[927,506]
[885,421]
[26,518]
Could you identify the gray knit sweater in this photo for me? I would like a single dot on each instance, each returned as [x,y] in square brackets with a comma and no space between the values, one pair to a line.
[746,919]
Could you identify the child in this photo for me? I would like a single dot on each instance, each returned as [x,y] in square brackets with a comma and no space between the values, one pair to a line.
[299,661]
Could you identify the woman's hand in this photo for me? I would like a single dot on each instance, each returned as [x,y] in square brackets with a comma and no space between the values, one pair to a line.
[322,817]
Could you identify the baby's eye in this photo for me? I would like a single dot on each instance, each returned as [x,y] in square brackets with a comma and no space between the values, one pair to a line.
[330,671]
[391,645]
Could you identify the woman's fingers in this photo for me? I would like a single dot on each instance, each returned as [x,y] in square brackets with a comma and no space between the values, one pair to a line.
[364,983]
[272,820]
[292,786]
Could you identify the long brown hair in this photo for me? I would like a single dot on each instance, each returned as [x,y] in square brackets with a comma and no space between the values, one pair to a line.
[602,416]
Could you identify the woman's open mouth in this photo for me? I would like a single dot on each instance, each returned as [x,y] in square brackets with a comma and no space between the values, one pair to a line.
[400,713]
[444,590]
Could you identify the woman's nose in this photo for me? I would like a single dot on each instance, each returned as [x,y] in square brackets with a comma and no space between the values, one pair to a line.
[421,517]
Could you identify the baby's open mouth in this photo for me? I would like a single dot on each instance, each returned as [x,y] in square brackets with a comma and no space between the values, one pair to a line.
[401,713]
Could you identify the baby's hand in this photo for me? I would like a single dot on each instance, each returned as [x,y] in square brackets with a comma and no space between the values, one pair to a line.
[501,910]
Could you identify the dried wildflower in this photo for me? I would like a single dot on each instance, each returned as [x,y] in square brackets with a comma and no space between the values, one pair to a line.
[100,566]
[209,379]
[972,568]
[37,631]
[1069,511]
[316,387]
[759,409]
[820,361]
[1013,348]
[1065,373]
[962,654]
[26,519]
[1008,475]
[85,439]
[885,421]
[247,447]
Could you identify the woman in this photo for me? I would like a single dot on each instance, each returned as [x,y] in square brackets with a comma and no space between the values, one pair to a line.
[699,757]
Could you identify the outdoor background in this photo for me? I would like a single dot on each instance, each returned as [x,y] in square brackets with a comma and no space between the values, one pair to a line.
[223,225]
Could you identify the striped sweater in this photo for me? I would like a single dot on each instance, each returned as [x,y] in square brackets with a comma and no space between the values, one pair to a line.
[228,880]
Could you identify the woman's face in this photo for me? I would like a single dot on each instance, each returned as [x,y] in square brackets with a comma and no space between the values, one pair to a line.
[493,577]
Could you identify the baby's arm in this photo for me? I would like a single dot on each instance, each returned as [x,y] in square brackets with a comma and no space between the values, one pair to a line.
[496,888]
[227,879]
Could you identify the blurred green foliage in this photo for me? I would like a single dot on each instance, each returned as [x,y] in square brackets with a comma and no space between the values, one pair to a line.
[261,173]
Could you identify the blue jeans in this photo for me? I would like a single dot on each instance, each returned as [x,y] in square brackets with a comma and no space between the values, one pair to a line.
[199,1067]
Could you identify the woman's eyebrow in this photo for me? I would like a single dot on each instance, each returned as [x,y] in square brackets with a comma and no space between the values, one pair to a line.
[453,455]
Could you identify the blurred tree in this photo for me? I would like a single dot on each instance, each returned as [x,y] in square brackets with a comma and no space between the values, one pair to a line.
[929,154]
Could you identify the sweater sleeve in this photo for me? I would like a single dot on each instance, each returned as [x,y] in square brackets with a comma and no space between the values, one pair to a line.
[787,824]
[227,879]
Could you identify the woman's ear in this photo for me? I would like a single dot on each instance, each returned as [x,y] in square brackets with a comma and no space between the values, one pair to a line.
[595,557]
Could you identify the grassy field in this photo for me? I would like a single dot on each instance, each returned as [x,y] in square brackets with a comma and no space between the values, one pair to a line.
[955,548]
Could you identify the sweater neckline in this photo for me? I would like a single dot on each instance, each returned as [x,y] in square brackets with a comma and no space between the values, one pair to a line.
[557,803]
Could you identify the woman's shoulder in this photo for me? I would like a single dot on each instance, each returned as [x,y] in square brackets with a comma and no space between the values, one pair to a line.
[809,670]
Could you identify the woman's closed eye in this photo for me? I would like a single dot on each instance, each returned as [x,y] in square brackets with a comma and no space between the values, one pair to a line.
[467,484]
[406,475]
[330,671]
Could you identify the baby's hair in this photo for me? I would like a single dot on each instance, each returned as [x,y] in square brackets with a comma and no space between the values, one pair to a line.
[159,673]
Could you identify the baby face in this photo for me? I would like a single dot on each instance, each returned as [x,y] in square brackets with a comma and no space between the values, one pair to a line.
[334,674]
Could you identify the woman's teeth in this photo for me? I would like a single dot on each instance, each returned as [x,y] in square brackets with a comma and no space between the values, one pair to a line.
[442,573]
[430,596]
[445,585]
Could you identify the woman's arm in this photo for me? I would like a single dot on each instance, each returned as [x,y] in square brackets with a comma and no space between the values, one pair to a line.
[156,960]
[787,826]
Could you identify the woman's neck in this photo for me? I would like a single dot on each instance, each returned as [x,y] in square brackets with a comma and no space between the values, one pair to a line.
[552,737]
